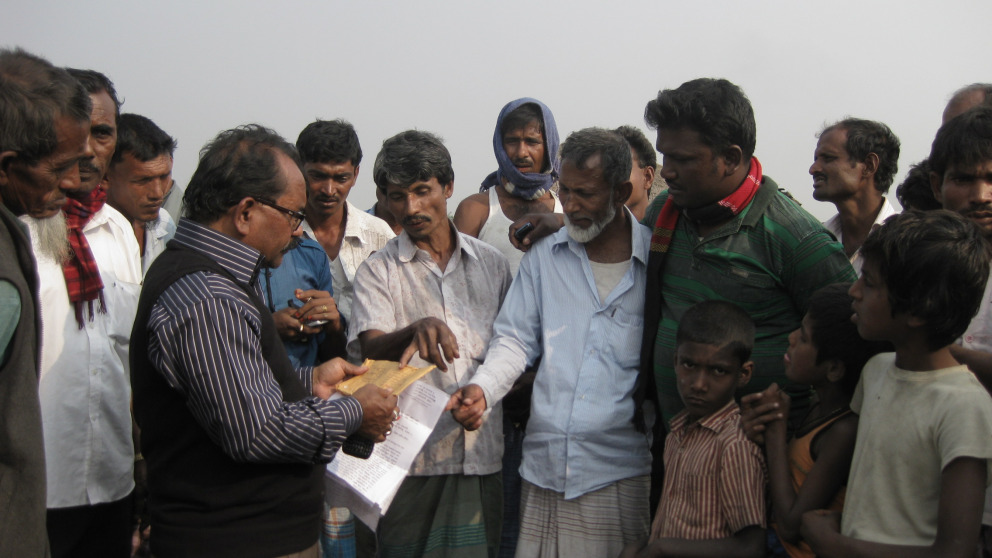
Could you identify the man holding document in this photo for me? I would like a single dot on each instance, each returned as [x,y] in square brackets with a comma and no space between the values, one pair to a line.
[235,437]
[433,292]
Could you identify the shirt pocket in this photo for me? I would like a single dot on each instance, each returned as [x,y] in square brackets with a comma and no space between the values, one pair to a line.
[625,332]
[121,298]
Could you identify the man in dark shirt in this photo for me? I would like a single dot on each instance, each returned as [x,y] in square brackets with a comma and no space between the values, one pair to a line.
[235,437]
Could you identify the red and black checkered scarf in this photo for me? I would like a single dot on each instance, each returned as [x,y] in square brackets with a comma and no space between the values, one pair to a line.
[718,212]
[82,276]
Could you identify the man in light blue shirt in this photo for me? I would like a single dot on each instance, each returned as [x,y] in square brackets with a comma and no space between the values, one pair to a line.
[577,300]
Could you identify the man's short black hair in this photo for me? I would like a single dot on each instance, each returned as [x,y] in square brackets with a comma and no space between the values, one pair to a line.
[965,141]
[715,108]
[935,265]
[412,156]
[614,153]
[646,154]
[33,95]
[329,141]
[142,139]
[915,191]
[237,164]
[868,136]
[95,82]
[836,337]
[719,323]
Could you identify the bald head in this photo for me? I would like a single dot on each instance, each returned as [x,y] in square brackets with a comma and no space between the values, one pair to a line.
[967,98]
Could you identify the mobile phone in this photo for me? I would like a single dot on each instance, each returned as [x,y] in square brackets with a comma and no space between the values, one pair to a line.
[520,233]
[312,323]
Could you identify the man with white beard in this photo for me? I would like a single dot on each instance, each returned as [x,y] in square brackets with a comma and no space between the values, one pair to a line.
[577,300]
[88,293]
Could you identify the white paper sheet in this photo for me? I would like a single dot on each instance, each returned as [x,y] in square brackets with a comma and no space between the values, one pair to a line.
[367,486]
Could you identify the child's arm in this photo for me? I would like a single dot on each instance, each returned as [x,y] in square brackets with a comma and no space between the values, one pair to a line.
[829,472]
[749,542]
[959,516]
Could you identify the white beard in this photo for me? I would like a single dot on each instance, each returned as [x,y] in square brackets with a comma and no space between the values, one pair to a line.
[53,238]
[586,235]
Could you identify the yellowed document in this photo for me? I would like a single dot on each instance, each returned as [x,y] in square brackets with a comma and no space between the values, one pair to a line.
[384,373]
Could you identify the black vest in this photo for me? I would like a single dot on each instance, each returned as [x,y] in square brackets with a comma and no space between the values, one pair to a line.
[22,453]
[202,502]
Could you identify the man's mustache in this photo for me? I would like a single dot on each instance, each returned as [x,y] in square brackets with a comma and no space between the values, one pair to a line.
[412,219]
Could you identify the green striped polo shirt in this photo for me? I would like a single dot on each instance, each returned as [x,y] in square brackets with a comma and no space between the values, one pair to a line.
[768,260]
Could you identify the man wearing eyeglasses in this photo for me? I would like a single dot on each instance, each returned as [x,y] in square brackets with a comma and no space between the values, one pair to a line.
[138,181]
[233,434]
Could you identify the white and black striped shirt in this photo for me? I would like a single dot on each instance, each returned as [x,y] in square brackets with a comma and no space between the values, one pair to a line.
[205,340]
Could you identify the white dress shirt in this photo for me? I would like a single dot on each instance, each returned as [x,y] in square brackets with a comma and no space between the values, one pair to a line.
[85,388]
[157,235]
[833,225]
[401,284]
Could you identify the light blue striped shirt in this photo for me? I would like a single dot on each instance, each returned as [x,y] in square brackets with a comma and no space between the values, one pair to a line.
[580,436]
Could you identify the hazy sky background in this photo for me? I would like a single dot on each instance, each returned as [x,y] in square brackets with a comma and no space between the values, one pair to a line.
[196,68]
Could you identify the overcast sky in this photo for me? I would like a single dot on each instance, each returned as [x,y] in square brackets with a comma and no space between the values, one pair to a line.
[198,67]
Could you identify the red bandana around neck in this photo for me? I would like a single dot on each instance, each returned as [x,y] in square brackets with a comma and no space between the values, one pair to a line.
[82,276]
[730,206]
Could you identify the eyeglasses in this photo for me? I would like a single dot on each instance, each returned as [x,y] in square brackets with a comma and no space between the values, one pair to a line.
[295,217]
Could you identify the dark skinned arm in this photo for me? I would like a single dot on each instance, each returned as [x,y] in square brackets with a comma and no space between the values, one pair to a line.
[979,362]
[959,517]
[429,337]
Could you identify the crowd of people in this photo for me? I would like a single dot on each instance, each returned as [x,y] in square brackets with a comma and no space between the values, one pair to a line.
[708,372]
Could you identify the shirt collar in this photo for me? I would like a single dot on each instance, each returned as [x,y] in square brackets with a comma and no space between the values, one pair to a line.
[237,258]
[712,422]
[408,250]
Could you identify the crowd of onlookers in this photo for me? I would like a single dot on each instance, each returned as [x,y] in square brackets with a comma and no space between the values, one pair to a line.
[708,371]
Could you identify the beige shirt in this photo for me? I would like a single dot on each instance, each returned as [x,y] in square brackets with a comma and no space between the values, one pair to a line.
[401,284]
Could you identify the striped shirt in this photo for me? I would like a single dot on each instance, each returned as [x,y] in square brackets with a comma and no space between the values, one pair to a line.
[714,479]
[580,436]
[768,260]
[204,339]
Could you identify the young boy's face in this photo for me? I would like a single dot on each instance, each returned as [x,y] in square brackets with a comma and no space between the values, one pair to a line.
[708,376]
[872,310]
[968,191]
[800,357]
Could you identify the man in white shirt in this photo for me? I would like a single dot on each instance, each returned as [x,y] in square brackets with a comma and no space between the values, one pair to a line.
[88,293]
[853,167]
[139,180]
[578,300]
[430,296]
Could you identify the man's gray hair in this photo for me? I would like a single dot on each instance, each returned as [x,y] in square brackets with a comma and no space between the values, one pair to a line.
[614,153]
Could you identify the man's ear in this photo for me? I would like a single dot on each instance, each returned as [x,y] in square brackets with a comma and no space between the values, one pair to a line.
[449,189]
[871,164]
[6,158]
[357,168]
[649,172]
[936,183]
[244,215]
[733,158]
[623,191]
[746,370]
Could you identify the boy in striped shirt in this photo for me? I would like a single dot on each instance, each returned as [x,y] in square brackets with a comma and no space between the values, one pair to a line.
[713,499]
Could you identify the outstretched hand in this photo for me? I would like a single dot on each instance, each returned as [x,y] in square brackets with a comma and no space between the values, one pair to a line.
[434,341]
[379,411]
[544,225]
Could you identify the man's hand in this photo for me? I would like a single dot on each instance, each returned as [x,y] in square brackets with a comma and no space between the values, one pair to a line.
[288,325]
[434,341]
[318,305]
[819,525]
[379,411]
[468,406]
[544,224]
[763,410]
[331,373]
